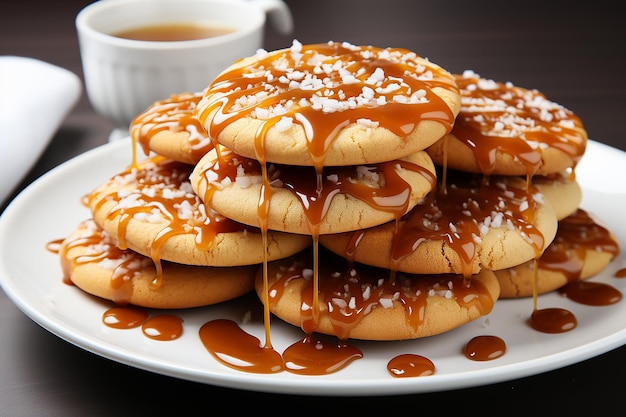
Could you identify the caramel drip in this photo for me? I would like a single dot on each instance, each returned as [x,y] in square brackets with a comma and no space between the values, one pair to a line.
[267,84]
[552,320]
[484,348]
[163,327]
[265,197]
[464,214]
[350,292]
[591,293]
[312,355]
[499,117]
[102,250]
[409,365]
[388,192]
[175,114]
[318,355]
[159,191]
[124,317]
[576,236]
[392,197]
[233,347]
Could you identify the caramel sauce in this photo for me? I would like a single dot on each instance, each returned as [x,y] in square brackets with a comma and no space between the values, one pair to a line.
[160,188]
[577,234]
[318,355]
[409,365]
[499,117]
[620,273]
[267,81]
[460,216]
[124,317]
[350,292]
[54,245]
[591,293]
[552,320]
[484,348]
[312,355]
[101,246]
[163,327]
[230,345]
[175,114]
[391,194]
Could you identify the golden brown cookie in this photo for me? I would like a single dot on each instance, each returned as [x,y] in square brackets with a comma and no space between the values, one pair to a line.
[509,130]
[154,211]
[582,248]
[92,261]
[350,197]
[169,128]
[469,226]
[561,190]
[363,302]
[330,104]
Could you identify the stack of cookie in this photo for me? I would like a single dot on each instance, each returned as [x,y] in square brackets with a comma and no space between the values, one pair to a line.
[151,242]
[363,192]
[329,141]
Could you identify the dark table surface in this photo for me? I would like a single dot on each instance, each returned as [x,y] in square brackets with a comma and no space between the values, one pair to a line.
[573,52]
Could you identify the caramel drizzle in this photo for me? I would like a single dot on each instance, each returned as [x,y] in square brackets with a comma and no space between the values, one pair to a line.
[175,114]
[264,84]
[160,191]
[391,194]
[100,248]
[499,117]
[461,216]
[577,234]
[351,291]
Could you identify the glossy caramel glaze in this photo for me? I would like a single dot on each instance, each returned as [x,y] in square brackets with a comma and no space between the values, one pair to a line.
[324,88]
[174,114]
[578,234]
[498,117]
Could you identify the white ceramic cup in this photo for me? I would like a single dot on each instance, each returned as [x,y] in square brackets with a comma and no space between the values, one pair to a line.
[124,77]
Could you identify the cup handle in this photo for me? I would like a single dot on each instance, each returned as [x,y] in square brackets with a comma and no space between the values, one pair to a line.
[278,13]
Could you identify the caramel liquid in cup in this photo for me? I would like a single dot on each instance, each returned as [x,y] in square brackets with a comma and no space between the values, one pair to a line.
[170,32]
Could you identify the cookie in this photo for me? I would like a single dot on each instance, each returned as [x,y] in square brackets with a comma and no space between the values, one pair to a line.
[505,129]
[92,261]
[363,302]
[561,190]
[169,128]
[341,198]
[154,211]
[471,225]
[582,248]
[330,104]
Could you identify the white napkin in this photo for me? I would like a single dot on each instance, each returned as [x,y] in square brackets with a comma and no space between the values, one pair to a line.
[35,97]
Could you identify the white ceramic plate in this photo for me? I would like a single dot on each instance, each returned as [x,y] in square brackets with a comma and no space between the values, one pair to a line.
[50,208]
[30,87]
